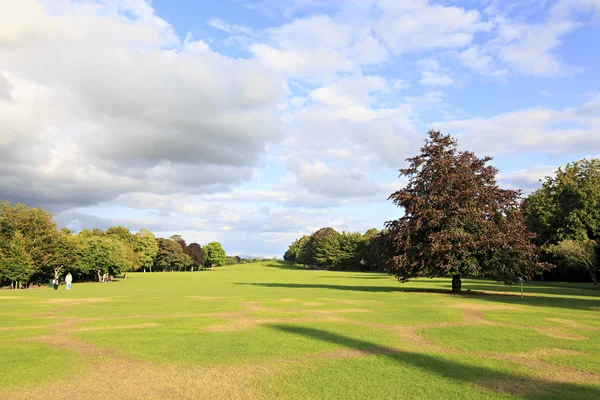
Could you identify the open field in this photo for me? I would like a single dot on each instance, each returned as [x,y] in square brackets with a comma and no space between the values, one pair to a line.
[273,331]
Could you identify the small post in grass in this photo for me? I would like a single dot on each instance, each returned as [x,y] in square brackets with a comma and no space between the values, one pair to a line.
[521,280]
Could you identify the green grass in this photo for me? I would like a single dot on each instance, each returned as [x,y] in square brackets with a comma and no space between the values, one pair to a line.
[304,327]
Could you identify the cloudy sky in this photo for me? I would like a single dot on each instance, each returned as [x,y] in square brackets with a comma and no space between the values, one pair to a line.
[252,122]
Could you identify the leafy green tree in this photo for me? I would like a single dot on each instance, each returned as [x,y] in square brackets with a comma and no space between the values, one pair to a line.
[146,248]
[567,206]
[214,255]
[16,265]
[170,255]
[38,230]
[292,251]
[101,255]
[581,254]
[304,250]
[351,245]
[66,252]
[457,221]
[187,262]
[230,260]
[127,241]
[197,254]
[325,244]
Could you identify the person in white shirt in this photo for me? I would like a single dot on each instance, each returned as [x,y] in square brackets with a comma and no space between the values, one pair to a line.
[69,280]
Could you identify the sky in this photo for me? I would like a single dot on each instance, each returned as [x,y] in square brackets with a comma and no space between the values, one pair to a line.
[254,122]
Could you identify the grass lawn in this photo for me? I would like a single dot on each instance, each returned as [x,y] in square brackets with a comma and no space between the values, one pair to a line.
[274,331]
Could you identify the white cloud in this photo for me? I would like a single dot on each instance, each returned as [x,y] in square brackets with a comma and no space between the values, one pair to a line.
[526,179]
[556,132]
[118,111]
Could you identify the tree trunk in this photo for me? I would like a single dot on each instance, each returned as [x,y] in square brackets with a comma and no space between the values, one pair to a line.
[593,276]
[456,283]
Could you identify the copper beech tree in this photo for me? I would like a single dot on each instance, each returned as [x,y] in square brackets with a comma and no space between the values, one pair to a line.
[457,221]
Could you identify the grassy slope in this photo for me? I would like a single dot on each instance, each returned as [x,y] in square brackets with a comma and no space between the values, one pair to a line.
[303,325]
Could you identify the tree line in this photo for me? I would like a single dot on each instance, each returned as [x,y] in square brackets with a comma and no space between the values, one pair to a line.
[32,250]
[458,222]
[327,248]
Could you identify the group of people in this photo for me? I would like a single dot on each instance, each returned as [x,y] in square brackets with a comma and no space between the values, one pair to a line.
[68,281]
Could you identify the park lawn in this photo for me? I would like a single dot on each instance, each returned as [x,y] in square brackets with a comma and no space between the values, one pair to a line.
[274,330]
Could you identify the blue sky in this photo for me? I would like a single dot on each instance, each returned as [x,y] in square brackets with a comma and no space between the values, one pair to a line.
[253,122]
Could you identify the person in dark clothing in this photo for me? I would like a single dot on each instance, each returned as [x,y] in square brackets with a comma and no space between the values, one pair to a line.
[55,281]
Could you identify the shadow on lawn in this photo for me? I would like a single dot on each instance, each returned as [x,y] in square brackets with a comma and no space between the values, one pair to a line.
[508,297]
[525,387]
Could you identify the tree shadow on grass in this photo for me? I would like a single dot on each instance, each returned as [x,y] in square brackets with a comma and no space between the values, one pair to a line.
[510,298]
[524,386]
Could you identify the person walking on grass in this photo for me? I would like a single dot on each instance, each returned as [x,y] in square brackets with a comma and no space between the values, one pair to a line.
[68,280]
[55,282]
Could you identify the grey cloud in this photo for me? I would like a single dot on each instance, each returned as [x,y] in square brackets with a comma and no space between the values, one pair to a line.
[119,113]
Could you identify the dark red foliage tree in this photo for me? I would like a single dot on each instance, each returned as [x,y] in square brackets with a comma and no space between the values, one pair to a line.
[457,221]
[197,253]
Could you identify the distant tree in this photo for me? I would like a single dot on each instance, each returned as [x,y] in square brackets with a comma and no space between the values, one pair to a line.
[146,248]
[565,212]
[66,252]
[170,255]
[128,241]
[304,250]
[16,265]
[120,233]
[581,254]
[101,255]
[187,262]
[457,221]
[214,255]
[197,254]
[567,206]
[350,250]
[230,260]
[177,238]
[325,244]
[37,228]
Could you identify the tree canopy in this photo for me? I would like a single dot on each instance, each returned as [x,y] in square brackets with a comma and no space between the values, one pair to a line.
[457,221]
[565,214]
[214,255]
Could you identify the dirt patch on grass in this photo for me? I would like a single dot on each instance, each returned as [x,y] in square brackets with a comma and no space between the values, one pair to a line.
[548,371]
[117,328]
[10,297]
[334,312]
[344,301]
[559,333]
[513,387]
[574,324]
[132,380]
[288,300]
[23,328]
[76,301]
[240,324]
[211,298]
[352,353]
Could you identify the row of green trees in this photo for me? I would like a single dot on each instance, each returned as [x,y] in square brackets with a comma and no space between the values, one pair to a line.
[457,221]
[565,216]
[32,249]
[327,248]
